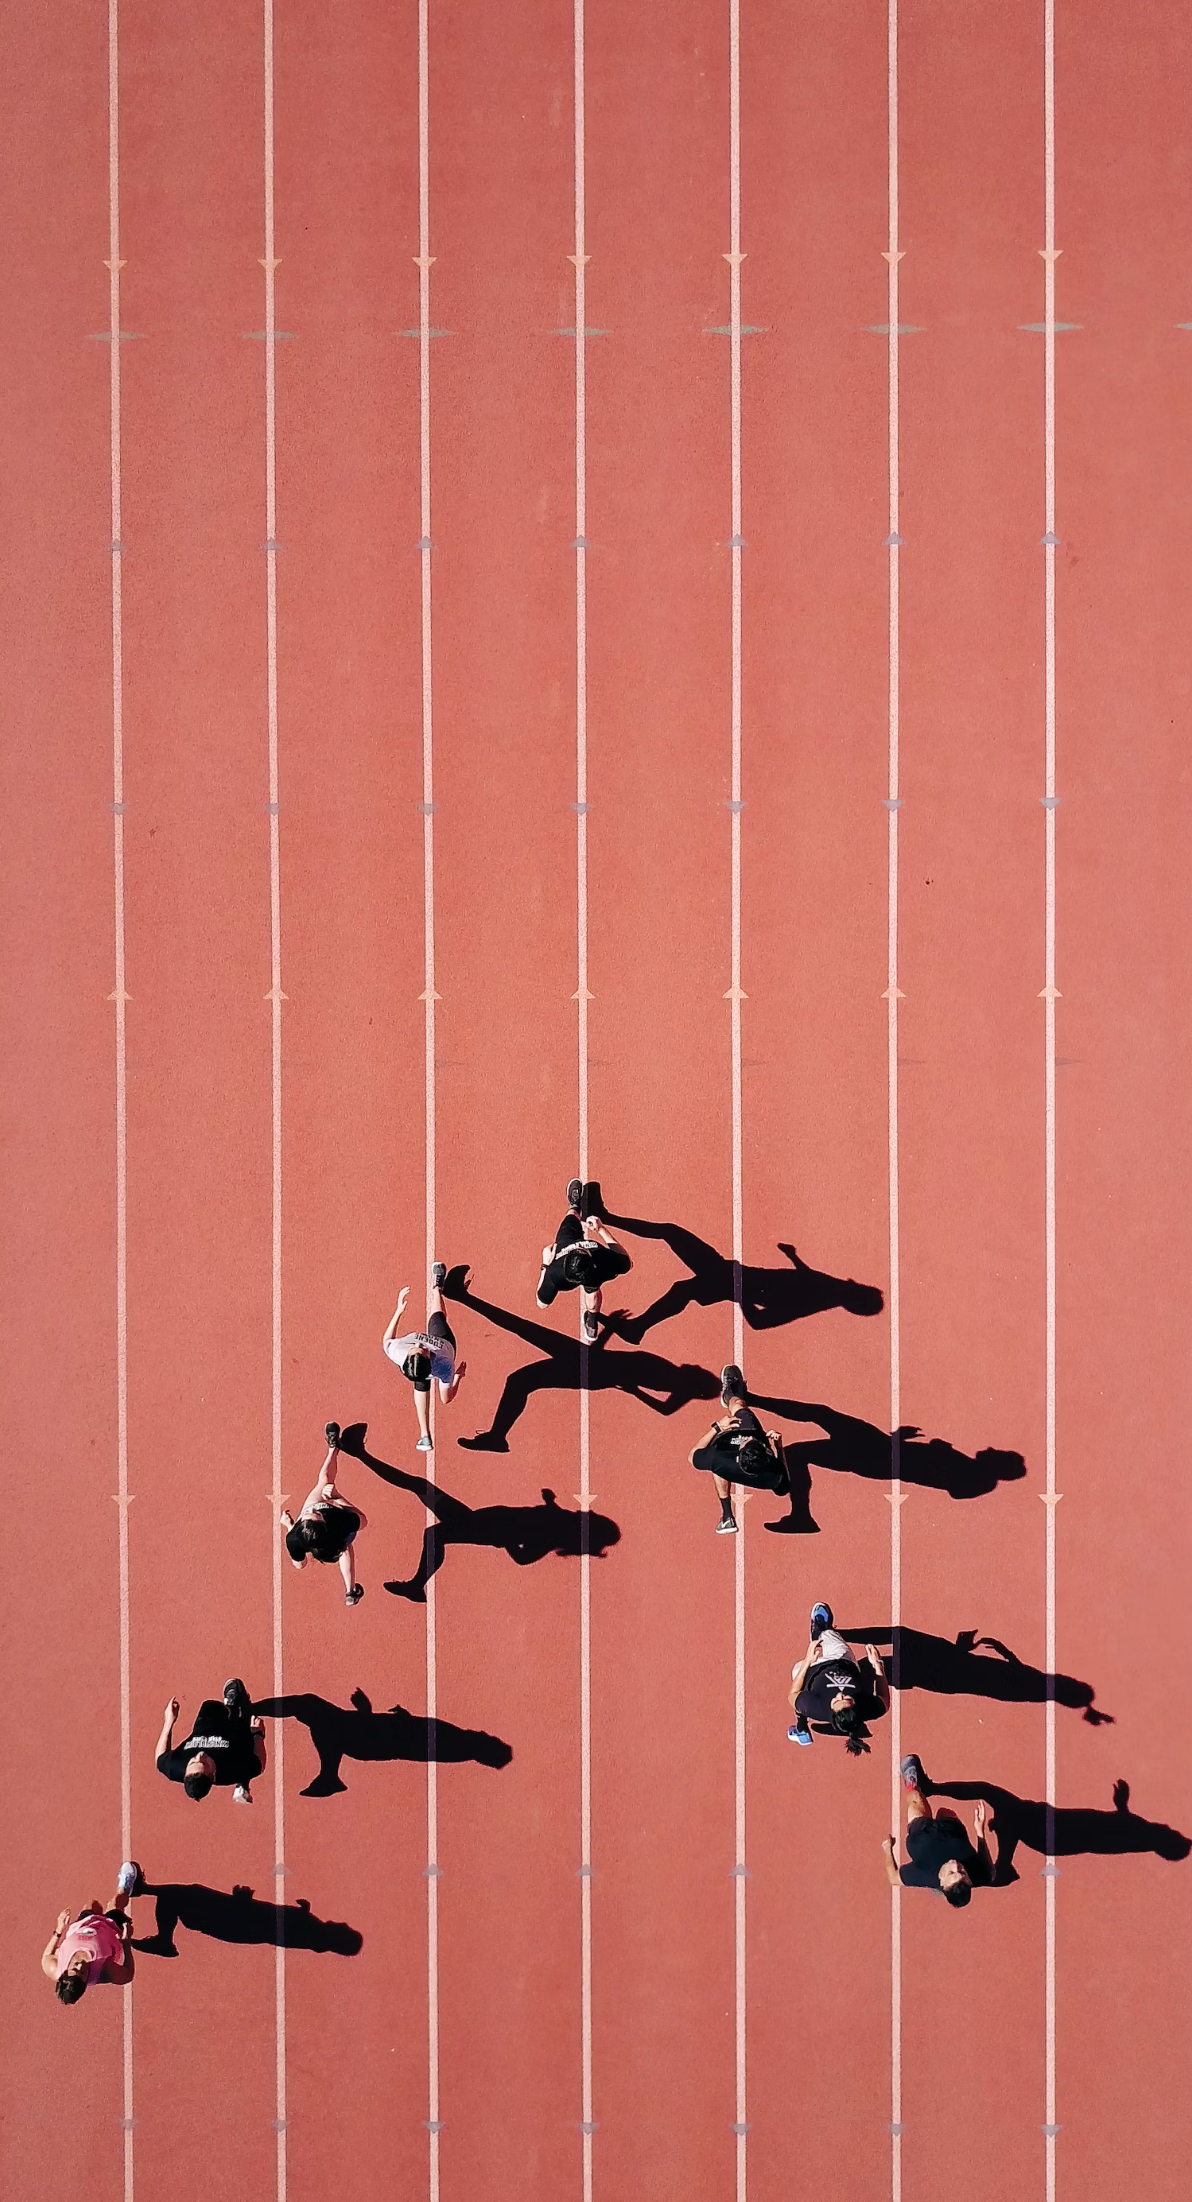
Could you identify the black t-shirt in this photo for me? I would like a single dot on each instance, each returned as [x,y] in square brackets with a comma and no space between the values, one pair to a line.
[931,1843]
[742,1454]
[337,1526]
[607,1262]
[228,1742]
[830,1678]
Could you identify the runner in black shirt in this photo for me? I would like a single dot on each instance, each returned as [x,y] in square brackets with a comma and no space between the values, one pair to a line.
[831,1692]
[940,1855]
[584,1254]
[225,1745]
[736,1450]
[327,1527]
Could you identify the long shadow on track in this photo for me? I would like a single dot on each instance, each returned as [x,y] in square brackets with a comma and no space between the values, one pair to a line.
[527,1533]
[362,1734]
[662,1385]
[960,1668]
[241,1917]
[850,1446]
[770,1298]
[1065,1831]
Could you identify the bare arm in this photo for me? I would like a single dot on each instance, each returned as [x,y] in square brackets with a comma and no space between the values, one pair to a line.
[49,1956]
[881,1686]
[800,1674]
[166,1738]
[397,1315]
[891,1861]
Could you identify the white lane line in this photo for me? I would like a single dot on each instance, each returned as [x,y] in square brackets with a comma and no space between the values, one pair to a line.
[429,997]
[579,260]
[275,997]
[893,256]
[120,999]
[734,257]
[1049,990]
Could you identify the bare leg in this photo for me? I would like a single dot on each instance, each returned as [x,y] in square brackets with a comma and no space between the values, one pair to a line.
[917,1807]
[447,1392]
[422,1410]
[347,1569]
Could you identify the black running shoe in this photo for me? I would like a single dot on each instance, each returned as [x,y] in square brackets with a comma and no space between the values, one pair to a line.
[438,1274]
[732,1383]
[575,1194]
[821,1619]
[236,1697]
[591,1329]
[332,1435]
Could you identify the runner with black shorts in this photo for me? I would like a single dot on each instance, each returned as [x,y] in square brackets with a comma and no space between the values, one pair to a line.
[427,1356]
[737,1450]
[940,1855]
[584,1255]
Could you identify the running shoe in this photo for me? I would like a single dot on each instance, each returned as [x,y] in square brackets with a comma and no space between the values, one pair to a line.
[438,1274]
[354,1595]
[236,1697]
[821,1619]
[732,1383]
[575,1194]
[333,1436]
[425,1445]
[591,1329]
[911,1770]
[130,1880]
[727,1527]
[800,1733]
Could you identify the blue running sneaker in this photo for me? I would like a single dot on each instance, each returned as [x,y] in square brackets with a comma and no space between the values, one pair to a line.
[800,1733]
[821,1619]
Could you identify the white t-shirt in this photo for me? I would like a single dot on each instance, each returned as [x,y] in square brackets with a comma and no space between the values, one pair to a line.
[439,1353]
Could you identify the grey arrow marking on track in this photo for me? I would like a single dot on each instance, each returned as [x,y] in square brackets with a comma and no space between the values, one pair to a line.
[1050,802]
[730,805]
[1053,540]
[747,328]
[263,336]
[418,332]
[891,802]
[124,336]
[580,809]
[894,542]
[1039,328]
[586,332]
[882,328]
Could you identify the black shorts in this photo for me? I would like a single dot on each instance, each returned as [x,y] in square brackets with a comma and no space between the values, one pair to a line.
[438,1328]
[569,1233]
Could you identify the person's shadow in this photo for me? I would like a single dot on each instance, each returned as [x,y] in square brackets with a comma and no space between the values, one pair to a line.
[918,1661]
[338,1734]
[769,1298]
[241,1917]
[526,1533]
[1065,1831]
[853,1447]
[662,1385]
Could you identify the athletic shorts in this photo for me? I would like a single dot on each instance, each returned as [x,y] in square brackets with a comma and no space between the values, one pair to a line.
[438,1328]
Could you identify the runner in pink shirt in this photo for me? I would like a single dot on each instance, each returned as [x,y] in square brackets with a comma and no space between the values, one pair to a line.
[94,1946]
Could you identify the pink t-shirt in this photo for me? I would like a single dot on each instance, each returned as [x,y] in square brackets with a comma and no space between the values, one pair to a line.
[97,1936]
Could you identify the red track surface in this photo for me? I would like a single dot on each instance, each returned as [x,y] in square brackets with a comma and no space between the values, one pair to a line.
[815,1103]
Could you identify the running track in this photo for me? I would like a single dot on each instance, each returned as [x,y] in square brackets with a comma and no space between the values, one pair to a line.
[797,2019]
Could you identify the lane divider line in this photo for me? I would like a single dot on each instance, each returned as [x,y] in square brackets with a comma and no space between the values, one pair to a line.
[275,998]
[893,256]
[1050,255]
[119,996]
[736,996]
[425,260]
[582,996]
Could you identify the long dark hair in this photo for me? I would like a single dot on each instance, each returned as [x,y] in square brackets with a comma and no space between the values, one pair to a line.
[69,1987]
[849,1724]
[316,1534]
[417,1366]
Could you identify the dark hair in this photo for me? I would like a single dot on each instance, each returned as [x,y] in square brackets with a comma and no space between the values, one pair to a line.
[579,1267]
[69,1987]
[417,1366]
[197,1785]
[960,1893]
[299,1540]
